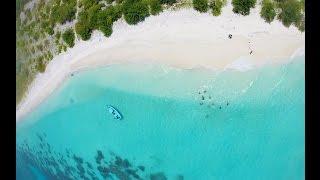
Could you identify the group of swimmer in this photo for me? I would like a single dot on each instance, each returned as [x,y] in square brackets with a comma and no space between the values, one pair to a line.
[203,98]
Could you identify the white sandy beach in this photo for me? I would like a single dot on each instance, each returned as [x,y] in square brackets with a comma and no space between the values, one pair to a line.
[183,38]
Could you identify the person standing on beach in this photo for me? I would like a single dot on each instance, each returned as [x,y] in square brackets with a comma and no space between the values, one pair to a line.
[251,51]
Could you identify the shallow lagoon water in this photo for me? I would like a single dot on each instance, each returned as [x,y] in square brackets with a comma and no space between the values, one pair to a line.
[177,124]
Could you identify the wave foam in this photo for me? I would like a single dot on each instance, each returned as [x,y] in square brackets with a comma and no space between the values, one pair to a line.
[241,64]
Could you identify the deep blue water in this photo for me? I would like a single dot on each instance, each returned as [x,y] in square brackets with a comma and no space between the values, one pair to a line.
[177,124]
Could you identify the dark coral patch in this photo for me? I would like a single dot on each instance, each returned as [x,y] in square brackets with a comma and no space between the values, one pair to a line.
[141,168]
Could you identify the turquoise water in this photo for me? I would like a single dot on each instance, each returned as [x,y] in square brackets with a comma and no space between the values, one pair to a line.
[177,124]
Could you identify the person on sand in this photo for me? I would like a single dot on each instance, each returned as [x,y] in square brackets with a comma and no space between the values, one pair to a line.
[250,48]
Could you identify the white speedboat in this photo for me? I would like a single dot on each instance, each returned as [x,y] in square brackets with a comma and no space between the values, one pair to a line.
[116,114]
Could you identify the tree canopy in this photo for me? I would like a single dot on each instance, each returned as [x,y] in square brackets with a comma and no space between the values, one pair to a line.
[68,37]
[243,6]
[135,11]
[63,12]
[216,6]
[41,65]
[200,5]
[155,7]
[169,2]
[87,19]
[106,18]
[268,11]
[83,30]
[291,12]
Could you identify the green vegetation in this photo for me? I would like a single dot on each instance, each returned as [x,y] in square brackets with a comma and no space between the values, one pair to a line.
[155,7]
[19,6]
[301,25]
[110,1]
[105,21]
[68,37]
[168,2]
[86,21]
[200,5]
[59,48]
[23,79]
[216,6]
[83,30]
[63,11]
[291,12]
[135,11]
[86,4]
[64,48]
[268,11]
[107,17]
[41,66]
[243,6]
[93,17]
[58,35]
[49,30]
[302,4]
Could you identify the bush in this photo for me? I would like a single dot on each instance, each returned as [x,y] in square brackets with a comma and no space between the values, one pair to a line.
[200,5]
[169,2]
[301,25]
[68,37]
[19,6]
[111,13]
[58,35]
[155,7]
[92,16]
[59,49]
[117,12]
[302,4]
[86,4]
[82,27]
[83,30]
[64,12]
[40,66]
[64,48]
[107,30]
[105,22]
[216,7]
[47,27]
[119,1]
[49,30]
[107,17]
[243,6]
[135,11]
[268,11]
[110,1]
[95,18]
[50,56]
[290,12]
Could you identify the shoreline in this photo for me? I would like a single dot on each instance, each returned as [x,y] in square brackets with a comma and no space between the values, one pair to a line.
[183,39]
